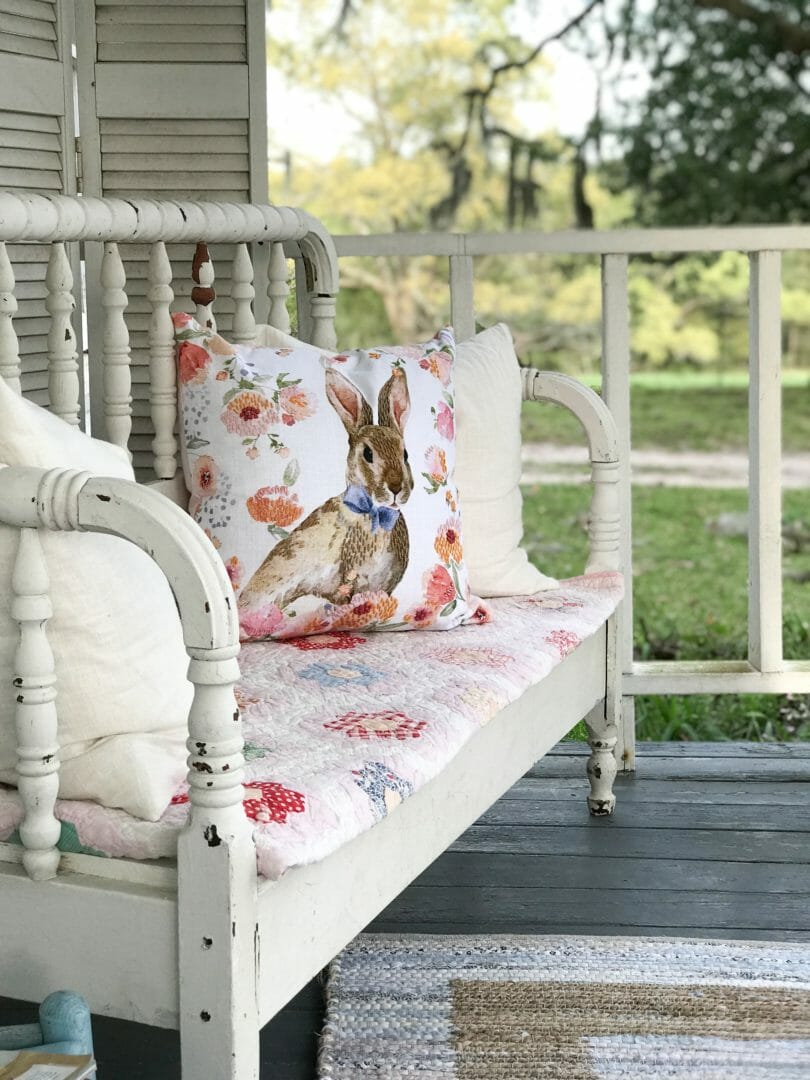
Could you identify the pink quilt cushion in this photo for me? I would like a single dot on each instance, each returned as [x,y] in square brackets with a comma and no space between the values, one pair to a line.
[341,728]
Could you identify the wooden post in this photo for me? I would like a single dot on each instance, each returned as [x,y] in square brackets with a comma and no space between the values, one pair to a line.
[277,289]
[162,377]
[63,366]
[765,477]
[242,291]
[462,313]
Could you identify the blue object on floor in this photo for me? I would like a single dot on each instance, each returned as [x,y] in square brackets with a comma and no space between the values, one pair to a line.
[63,1028]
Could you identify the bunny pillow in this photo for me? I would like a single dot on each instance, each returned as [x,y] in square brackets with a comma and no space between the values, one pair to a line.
[326,482]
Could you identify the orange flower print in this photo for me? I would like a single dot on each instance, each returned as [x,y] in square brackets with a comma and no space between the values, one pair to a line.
[192,363]
[275,506]
[436,464]
[220,347]
[364,609]
[295,404]
[221,376]
[451,502]
[215,540]
[204,477]
[448,543]
[249,413]
[439,364]
[438,586]
[234,571]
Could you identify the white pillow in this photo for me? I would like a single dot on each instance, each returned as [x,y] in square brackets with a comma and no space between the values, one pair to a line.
[488,402]
[122,693]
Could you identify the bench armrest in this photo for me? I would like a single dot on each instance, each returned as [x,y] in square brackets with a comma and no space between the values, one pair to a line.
[33,499]
[603,444]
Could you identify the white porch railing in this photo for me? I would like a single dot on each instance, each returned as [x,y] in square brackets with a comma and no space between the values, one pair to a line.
[765,670]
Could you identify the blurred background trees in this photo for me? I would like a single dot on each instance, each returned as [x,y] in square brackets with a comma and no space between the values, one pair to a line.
[698,113]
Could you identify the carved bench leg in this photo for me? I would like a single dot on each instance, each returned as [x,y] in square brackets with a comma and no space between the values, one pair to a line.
[602,769]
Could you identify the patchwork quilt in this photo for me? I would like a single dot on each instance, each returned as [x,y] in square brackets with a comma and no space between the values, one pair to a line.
[340,728]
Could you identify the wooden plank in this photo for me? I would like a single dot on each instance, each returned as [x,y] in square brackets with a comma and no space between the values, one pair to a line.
[641,791]
[725,751]
[684,678]
[467,870]
[761,845]
[765,451]
[509,911]
[600,927]
[720,817]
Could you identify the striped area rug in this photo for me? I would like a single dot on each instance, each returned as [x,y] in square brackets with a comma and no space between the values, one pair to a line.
[567,1008]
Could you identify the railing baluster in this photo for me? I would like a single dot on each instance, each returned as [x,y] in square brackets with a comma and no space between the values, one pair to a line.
[116,360]
[277,289]
[242,291]
[63,365]
[9,346]
[462,313]
[162,377]
[616,393]
[765,449]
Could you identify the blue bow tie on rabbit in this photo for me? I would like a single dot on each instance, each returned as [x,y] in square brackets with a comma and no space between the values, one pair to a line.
[357,541]
[359,500]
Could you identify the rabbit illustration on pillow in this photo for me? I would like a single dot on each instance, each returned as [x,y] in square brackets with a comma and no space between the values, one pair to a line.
[356,541]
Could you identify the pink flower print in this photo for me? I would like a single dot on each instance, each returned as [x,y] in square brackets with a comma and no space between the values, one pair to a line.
[564,641]
[445,424]
[381,725]
[338,641]
[221,376]
[262,622]
[436,465]
[249,413]
[252,452]
[192,363]
[269,801]
[234,571]
[181,319]
[438,586]
[295,404]
[482,614]
[204,477]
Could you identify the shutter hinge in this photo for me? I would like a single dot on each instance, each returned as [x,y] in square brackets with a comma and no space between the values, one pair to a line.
[79,171]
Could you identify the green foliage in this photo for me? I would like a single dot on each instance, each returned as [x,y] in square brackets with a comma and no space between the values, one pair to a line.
[721,134]
[690,598]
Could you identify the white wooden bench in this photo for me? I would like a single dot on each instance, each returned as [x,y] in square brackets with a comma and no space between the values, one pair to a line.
[205,944]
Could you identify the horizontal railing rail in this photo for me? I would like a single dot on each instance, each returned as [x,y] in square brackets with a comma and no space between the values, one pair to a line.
[765,670]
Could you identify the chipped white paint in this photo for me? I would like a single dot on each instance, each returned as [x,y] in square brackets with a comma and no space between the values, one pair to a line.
[35,716]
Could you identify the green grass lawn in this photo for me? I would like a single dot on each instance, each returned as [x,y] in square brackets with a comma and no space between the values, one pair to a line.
[686,412]
[690,588]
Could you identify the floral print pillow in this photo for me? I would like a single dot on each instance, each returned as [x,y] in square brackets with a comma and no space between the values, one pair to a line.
[326,482]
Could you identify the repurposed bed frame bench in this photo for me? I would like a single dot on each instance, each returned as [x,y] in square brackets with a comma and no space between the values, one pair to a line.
[205,944]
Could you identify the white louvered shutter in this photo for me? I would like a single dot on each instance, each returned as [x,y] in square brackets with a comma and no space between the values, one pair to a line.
[37,153]
[172,104]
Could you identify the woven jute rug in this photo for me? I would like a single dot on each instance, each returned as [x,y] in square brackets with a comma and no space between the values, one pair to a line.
[567,1008]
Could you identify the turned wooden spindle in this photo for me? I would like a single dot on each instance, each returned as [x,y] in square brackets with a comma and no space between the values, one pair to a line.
[162,375]
[9,346]
[63,359]
[278,289]
[116,359]
[243,292]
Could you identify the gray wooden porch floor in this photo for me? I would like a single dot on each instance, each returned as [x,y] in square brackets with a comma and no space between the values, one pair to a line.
[708,840]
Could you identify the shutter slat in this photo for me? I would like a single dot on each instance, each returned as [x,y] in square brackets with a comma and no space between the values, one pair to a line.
[147,53]
[27,46]
[118,125]
[22,178]
[31,140]
[23,157]
[190,164]
[30,9]
[184,15]
[192,33]
[43,29]
[13,121]
[181,142]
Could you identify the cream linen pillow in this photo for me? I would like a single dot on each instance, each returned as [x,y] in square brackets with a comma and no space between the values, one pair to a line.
[487,413]
[122,693]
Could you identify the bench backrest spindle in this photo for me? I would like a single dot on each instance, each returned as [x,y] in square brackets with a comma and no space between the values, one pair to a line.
[162,377]
[63,359]
[243,292]
[9,346]
[117,374]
